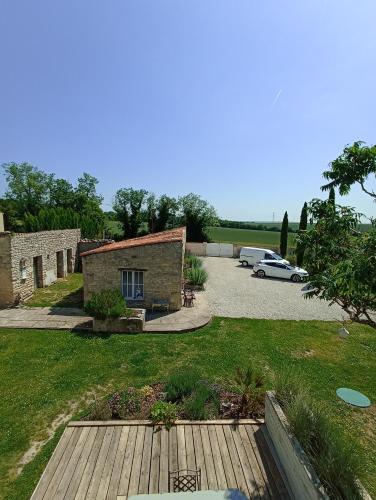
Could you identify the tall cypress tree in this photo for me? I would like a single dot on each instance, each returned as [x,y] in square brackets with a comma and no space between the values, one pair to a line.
[332,195]
[302,227]
[284,235]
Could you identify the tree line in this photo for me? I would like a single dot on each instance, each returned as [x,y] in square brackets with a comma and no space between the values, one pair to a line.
[37,201]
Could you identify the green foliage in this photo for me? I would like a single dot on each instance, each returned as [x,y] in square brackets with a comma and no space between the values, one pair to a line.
[335,459]
[252,385]
[99,410]
[125,403]
[197,216]
[128,207]
[202,404]
[107,304]
[36,201]
[302,227]
[163,412]
[353,166]
[284,235]
[192,260]
[340,260]
[196,276]
[91,224]
[180,385]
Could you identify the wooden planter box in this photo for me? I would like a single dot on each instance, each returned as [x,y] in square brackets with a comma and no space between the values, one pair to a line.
[134,324]
[301,477]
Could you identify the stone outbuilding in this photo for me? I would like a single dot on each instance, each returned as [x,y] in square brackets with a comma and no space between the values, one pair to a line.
[146,269]
[34,260]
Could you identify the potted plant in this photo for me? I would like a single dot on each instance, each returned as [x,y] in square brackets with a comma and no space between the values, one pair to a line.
[111,314]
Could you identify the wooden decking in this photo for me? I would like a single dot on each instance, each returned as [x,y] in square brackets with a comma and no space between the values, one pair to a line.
[102,460]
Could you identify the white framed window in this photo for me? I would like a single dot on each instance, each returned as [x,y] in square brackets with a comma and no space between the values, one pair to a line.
[132,284]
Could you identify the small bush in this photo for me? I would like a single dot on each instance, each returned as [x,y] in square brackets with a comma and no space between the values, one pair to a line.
[165,413]
[202,404]
[196,276]
[99,410]
[125,403]
[107,304]
[193,261]
[292,259]
[180,385]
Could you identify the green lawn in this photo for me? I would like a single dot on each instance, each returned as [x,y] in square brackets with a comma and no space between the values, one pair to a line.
[66,292]
[248,237]
[41,371]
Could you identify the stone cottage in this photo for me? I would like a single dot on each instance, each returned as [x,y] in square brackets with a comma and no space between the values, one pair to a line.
[146,269]
[34,260]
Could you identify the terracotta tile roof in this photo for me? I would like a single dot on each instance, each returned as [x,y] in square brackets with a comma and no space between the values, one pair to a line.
[172,235]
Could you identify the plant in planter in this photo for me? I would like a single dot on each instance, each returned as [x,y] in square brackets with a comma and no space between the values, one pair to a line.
[334,458]
[107,304]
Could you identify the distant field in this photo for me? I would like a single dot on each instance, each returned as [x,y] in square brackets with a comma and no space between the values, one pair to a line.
[247,237]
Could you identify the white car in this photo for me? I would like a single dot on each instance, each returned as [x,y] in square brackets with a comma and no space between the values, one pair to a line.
[278,270]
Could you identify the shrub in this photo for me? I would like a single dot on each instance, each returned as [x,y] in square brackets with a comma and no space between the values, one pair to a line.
[99,410]
[334,458]
[193,261]
[196,276]
[252,385]
[165,413]
[181,385]
[202,404]
[292,259]
[107,304]
[125,403]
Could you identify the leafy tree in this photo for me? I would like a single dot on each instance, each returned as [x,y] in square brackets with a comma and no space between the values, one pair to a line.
[62,194]
[354,166]
[197,216]
[28,187]
[86,192]
[128,206]
[166,213]
[332,195]
[284,235]
[340,260]
[302,227]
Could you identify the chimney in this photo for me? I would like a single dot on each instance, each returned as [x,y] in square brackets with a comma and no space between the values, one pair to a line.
[1,222]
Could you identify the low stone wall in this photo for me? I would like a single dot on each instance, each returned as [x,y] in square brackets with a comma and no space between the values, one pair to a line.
[134,324]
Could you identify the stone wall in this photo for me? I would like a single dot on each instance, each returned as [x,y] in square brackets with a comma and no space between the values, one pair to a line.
[86,245]
[30,261]
[162,265]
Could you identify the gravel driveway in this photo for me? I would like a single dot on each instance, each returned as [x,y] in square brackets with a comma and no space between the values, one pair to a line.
[234,291]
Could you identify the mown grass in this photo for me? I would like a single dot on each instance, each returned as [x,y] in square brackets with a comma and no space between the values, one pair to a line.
[41,371]
[66,292]
[248,237]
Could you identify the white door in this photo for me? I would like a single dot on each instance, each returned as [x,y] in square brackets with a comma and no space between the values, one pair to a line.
[280,270]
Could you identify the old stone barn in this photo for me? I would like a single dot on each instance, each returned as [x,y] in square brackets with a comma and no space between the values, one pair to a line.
[146,269]
[34,260]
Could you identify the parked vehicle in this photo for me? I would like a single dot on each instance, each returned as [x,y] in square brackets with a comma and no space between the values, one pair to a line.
[250,255]
[279,270]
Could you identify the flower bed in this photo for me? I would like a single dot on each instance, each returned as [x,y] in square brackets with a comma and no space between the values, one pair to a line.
[185,396]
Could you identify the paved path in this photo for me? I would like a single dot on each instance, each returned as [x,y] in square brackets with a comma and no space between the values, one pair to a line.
[234,291]
[187,319]
[57,318]
[64,318]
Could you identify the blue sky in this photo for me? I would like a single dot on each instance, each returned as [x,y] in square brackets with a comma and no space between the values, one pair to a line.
[244,102]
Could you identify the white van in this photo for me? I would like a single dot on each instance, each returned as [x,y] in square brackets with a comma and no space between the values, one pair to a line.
[250,255]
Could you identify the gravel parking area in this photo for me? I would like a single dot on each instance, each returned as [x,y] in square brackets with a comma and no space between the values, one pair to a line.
[234,291]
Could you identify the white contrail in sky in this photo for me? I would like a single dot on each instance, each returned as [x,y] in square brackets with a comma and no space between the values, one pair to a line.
[277,96]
